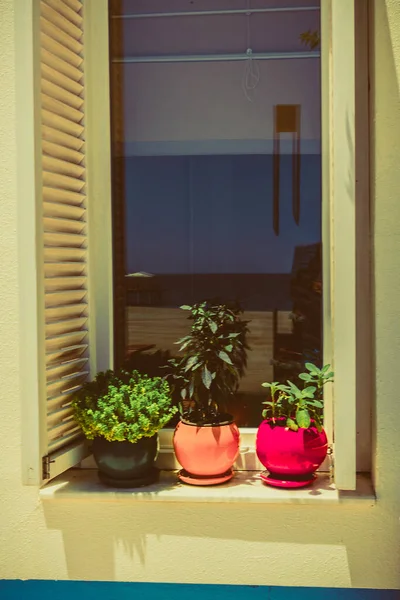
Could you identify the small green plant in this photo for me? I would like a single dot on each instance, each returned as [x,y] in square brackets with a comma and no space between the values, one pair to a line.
[123,406]
[214,357]
[311,39]
[296,406]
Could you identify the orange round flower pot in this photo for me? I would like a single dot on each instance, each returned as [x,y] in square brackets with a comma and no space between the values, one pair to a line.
[206,452]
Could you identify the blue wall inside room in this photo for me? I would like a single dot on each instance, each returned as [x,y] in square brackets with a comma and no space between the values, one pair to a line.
[219,208]
[98,590]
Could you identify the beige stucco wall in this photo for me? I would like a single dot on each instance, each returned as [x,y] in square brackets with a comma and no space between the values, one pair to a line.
[288,545]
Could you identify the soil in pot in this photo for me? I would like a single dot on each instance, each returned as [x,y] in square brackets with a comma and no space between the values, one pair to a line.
[291,457]
[126,464]
[206,452]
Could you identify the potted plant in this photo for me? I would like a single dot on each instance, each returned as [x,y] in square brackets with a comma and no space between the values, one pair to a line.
[291,442]
[207,375]
[122,413]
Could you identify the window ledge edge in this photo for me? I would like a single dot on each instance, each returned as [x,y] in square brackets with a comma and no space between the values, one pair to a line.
[245,487]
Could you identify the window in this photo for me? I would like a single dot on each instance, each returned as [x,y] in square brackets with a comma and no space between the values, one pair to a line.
[217,179]
[210,170]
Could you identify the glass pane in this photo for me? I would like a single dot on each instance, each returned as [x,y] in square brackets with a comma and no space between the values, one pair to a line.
[217,180]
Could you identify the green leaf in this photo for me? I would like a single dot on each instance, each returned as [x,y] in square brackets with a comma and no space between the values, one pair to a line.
[191,362]
[213,326]
[305,377]
[318,425]
[303,418]
[233,335]
[184,345]
[223,356]
[183,393]
[268,402]
[264,413]
[293,387]
[229,348]
[291,424]
[325,368]
[185,307]
[315,403]
[309,391]
[266,384]
[312,368]
[206,377]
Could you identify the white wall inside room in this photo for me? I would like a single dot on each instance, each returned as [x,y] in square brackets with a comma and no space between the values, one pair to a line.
[201,107]
[205,102]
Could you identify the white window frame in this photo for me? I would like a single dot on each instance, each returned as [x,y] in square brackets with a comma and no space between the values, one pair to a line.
[345,175]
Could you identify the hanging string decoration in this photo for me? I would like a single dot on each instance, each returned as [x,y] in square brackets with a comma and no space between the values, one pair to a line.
[251,75]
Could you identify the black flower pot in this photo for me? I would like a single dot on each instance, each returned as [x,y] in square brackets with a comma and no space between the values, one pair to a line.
[126,464]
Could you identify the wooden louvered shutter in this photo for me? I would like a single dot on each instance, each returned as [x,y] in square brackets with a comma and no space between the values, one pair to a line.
[64,226]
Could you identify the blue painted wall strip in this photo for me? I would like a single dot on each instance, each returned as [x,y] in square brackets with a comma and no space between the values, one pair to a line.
[99,590]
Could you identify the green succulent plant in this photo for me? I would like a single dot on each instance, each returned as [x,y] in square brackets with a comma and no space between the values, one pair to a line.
[214,357]
[299,406]
[123,406]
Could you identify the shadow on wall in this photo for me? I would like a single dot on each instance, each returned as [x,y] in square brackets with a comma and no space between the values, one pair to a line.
[221,543]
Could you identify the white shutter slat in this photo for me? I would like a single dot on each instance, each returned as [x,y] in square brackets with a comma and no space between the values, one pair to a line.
[64,254]
[64,212]
[71,14]
[54,47]
[63,167]
[63,460]
[70,240]
[64,283]
[65,269]
[63,110]
[51,194]
[60,65]
[68,311]
[74,4]
[55,328]
[60,79]
[58,122]
[65,340]
[64,297]
[61,370]
[68,353]
[61,36]
[66,383]
[62,139]
[51,179]
[62,153]
[54,16]
[60,93]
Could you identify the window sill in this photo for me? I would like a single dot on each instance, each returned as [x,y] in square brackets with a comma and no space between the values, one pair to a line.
[245,487]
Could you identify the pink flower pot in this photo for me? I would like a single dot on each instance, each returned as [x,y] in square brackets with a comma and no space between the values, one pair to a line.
[206,453]
[291,457]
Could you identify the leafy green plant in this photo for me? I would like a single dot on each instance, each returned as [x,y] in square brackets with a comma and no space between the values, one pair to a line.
[123,406]
[214,358]
[295,406]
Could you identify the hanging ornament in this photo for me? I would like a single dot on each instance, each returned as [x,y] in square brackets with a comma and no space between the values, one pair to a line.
[286,120]
[251,75]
